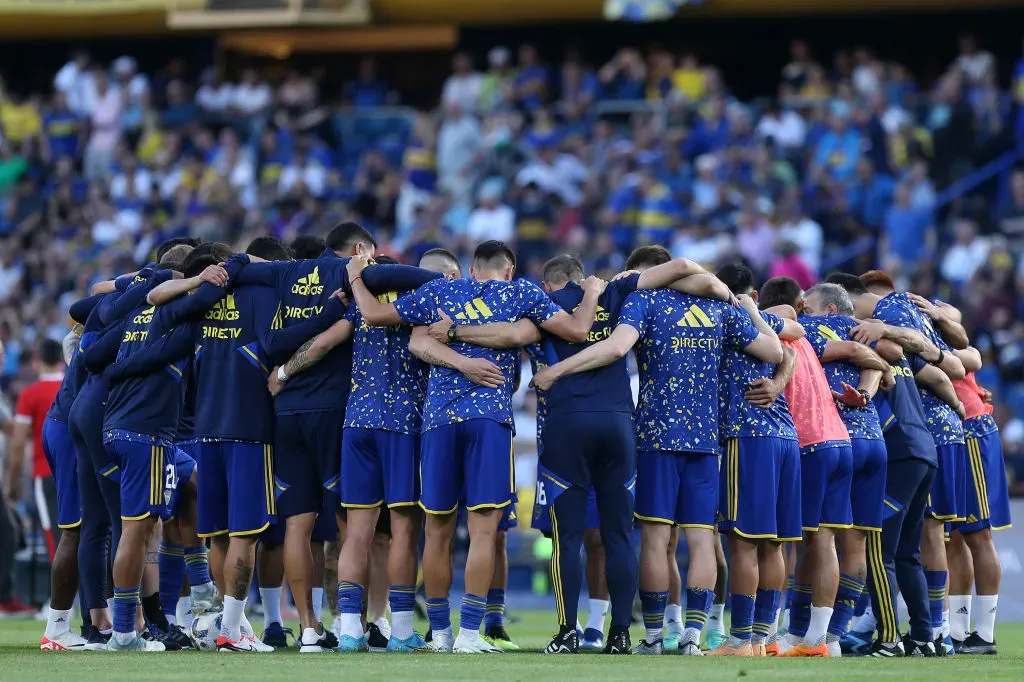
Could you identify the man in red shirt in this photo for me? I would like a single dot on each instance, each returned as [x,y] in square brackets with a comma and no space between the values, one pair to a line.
[29,416]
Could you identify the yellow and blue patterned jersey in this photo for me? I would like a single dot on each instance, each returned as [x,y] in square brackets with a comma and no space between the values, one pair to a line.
[538,361]
[389,384]
[451,397]
[739,417]
[682,339]
[897,309]
[861,422]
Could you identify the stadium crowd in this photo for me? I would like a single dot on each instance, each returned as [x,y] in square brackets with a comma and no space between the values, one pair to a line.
[845,164]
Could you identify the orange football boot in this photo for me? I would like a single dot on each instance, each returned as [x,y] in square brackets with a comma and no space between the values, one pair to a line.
[723,649]
[803,650]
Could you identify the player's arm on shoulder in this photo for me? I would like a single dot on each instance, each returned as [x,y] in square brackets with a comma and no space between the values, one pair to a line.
[946,318]
[912,341]
[786,312]
[853,352]
[168,349]
[935,380]
[703,285]
[765,346]
[664,275]
[478,370]
[764,391]
[971,357]
[870,380]
[575,328]
[375,313]
[103,350]
[499,335]
[601,354]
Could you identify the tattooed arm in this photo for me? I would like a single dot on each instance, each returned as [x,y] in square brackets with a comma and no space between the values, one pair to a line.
[478,370]
[311,353]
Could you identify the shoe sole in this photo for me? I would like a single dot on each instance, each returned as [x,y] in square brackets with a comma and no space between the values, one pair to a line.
[978,651]
[312,650]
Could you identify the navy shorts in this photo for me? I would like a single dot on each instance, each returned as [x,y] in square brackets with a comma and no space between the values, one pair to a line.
[60,455]
[988,501]
[679,488]
[379,468]
[150,469]
[509,519]
[474,456]
[236,487]
[947,500]
[826,476]
[307,461]
[869,465]
[759,489]
[542,519]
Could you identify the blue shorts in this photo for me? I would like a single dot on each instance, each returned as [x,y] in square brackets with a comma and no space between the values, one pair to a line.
[60,455]
[150,469]
[307,461]
[474,456]
[948,498]
[870,462]
[759,483]
[379,467]
[189,447]
[184,465]
[988,502]
[509,519]
[542,518]
[236,487]
[679,488]
[826,476]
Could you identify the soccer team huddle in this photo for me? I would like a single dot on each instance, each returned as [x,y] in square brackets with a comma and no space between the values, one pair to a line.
[225,410]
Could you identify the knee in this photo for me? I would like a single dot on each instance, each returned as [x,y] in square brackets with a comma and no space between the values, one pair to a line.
[592,541]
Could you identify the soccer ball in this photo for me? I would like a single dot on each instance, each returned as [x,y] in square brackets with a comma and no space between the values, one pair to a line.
[204,631]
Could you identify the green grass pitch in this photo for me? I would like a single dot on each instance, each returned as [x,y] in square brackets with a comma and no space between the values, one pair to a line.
[20,659]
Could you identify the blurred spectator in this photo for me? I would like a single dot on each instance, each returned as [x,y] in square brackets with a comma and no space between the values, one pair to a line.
[251,97]
[909,235]
[804,235]
[214,97]
[625,76]
[689,80]
[531,83]
[1011,222]
[491,219]
[966,255]
[74,80]
[19,119]
[464,86]
[367,90]
[972,62]
[837,153]
[458,145]
[784,127]
[62,130]
[105,129]
[788,263]
[497,89]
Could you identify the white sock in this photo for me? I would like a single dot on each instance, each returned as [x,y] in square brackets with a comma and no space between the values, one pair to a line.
[183,612]
[125,638]
[773,629]
[985,616]
[57,623]
[231,621]
[468,634]
[309,637]
[867,621]
[816,631]
[598,609]
[318,601]
[351,625]
[785,620]
[271,597]
[715,618]
[652,635]
[959,616]
[245,625]
[673,618]
[690,636]
[401,624]
[945,623]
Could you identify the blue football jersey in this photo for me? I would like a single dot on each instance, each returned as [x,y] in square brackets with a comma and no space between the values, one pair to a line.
[605,389]
[682,339]
[539,359]
[897,309]
[739,417]
[861,422]
[389,384]
[451,397]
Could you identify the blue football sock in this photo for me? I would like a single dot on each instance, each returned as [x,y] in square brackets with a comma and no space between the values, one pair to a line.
[495,617]
[742,625]
[850,590]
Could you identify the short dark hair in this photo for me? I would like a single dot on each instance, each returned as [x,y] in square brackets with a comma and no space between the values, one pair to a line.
[348,233]
[308,247]
[877,278]
[738,277]
[50,352]
[561,269]
[852,283]
[215,250]
[494,253]
[385,260]
[443,255]
[174,257]
[779,291]
[269,248]
[648,257]
[177,241]
[195,266]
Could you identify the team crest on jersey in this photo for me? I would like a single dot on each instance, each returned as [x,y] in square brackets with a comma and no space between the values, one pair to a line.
[309,285]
